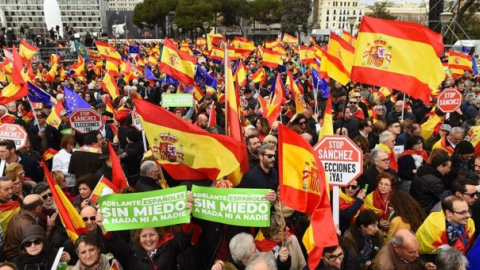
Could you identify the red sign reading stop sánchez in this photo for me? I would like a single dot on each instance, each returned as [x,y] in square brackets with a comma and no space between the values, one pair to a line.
[341,158]
[14,132]
[85,120]
[449,100]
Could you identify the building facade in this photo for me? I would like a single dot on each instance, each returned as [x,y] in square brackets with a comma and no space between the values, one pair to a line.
[408,12]
[82,15]
[123,4]
[333,14]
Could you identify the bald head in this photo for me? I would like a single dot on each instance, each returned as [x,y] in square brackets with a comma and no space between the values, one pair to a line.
[32,203]
[405,245]
[307,137]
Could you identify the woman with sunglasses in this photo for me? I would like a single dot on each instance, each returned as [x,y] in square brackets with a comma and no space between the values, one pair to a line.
[410,160]
[351,203]
[35,252]
[379,200]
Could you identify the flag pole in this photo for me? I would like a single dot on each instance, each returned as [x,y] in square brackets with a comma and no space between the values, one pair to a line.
[226,60]
[403,106]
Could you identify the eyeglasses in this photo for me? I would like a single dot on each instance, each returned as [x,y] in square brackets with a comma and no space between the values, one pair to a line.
[470,194]
[302,123]
[464,213]
[384,185]
[335,257]
[353,103]
[379,109]
[92,218]
[268,155]
[47,195]
[353,186]
[384,160]
[35,242]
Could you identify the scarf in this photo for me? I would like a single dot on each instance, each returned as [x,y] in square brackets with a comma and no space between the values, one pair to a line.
[421,153]
[454,232]
[449,148]
[345,200]
[381,204]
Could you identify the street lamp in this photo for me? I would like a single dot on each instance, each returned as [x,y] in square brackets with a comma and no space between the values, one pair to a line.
[174,27]
[205,27]
[268,31]
[198,32]
[180,31]
[300,27]
[445,18]
[351,22]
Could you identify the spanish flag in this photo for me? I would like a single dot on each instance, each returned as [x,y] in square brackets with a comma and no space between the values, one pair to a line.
[112,64]
[241,74]
[26,50]
[458,63]
[327,124]
[351,39]
[430,126]
[49,154]
[432,234]
[177,64]
[271,44]
[201,42]
[106,50]
[7,211]
[79,68]
[217,54]
[109,85]
[185,150]
[395,54]
[214,39]
[334,68]
[110,107]
[243,45]
[274,108]
[118,176]
[55,58]
[17,87]
[71,219]
[259,76]
[341,50]
[53,118]
[289,39]
[297,95]
[271,58]
[307,55]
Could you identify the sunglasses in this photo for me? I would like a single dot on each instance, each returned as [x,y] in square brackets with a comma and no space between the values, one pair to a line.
[472,195]
[35,242]
[353,186]
[46,196]
[269,155]
[93,218]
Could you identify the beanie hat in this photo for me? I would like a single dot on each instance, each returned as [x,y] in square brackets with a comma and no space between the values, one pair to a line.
[464,147]
[32,232]
[134,135]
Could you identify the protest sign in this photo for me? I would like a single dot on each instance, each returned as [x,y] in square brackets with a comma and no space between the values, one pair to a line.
[239,206]
[177,100]
[144,209]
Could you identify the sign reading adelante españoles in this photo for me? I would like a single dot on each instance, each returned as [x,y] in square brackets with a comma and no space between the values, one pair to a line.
[85,120]
[341,158]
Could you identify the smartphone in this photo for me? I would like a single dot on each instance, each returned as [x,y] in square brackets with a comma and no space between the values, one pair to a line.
[365,187]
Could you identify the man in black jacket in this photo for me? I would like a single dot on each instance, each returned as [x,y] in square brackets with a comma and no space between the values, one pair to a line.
[149,175]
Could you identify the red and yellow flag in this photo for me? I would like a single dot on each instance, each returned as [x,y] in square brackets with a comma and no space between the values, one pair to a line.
[177,64]
[49,154]
[54,116]
[327,124]
[297,95]
[112,64]
[217,54]
[26,50]
[307,55]
[341,50]
[7,211]
[351,39]
[241,74]
[271,58]
[79,68]
[106,50]
[334,68]
[118,176]
[458,63]
[71,219]
[243,45]
[110,85]
[185,150]
[395,54]
[103,187]
[259,76]
[289,39]
[17,87]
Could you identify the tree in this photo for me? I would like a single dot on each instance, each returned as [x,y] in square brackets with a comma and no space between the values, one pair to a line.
[151,13]
[380,11]
[190,14]
[462,9]
[266,11]
[470,24]
[295,12]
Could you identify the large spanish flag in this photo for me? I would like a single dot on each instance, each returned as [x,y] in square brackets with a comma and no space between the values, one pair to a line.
[17,87]
[327,124]
[351,39]
[307,55]
[243,45]
[7,211]
[185,150]
[395,54]
[177,64]
[26,50]
[106,50]
[458,63]
[271,58]
[70,217]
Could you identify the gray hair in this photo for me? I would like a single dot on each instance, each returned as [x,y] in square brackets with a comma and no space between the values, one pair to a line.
[265,257]
[241,247]
[470,97]
[456,130]
[375,153]
[385,136]
[264,147]
[451,259]
[146,167]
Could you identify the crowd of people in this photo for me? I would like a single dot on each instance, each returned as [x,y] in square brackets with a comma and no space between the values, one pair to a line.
[414,207]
